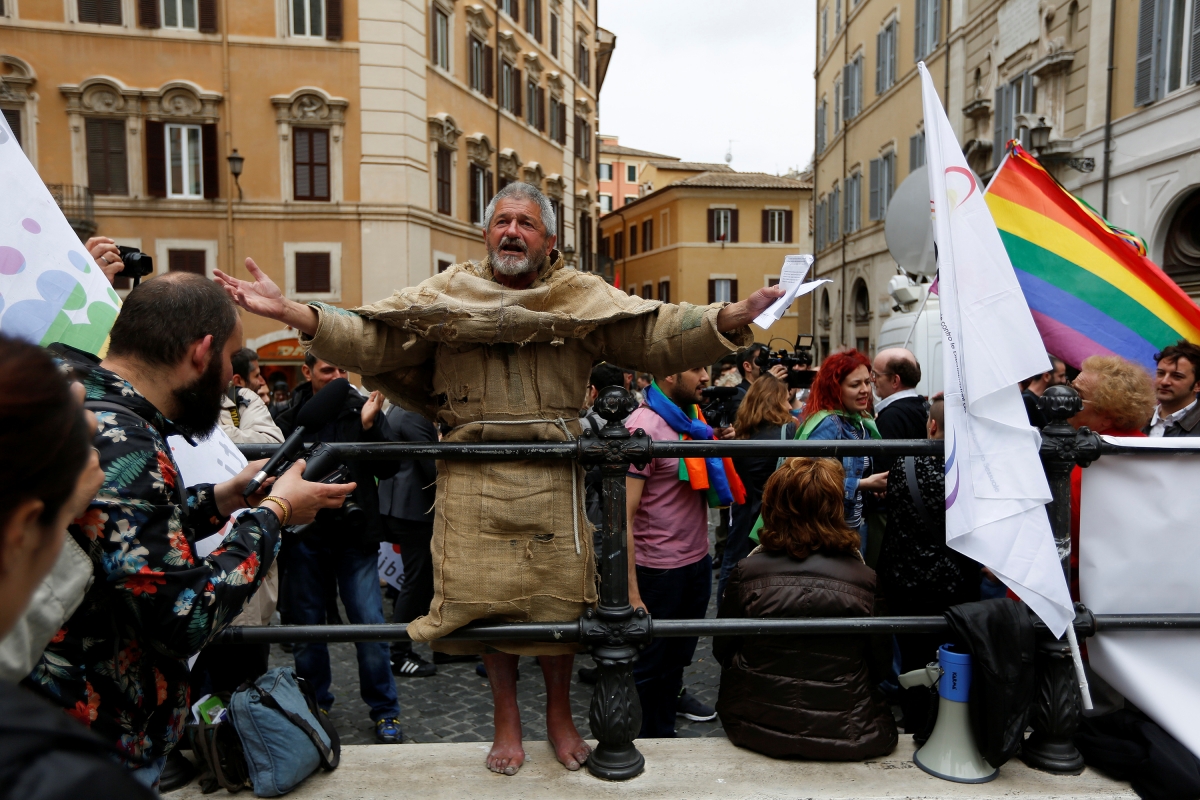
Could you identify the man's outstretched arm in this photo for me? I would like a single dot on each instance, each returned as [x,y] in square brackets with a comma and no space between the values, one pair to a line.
[262,297]
[738,315]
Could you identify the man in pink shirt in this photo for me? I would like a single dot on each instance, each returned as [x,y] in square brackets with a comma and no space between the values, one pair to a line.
[671,576]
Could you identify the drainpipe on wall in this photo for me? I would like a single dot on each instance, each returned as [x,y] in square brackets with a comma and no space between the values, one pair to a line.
[499,74]
[1112,33]
[845,157]
[812,197]
[230,241]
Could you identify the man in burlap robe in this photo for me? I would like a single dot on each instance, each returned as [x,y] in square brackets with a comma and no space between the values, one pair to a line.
[502,351]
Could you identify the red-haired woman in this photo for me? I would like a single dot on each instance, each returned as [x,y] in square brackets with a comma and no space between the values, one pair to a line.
[837,409]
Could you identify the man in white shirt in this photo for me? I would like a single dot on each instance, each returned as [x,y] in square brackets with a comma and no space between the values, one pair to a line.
[1175,386]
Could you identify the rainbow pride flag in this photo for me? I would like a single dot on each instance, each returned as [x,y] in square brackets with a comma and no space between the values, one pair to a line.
[1091,288]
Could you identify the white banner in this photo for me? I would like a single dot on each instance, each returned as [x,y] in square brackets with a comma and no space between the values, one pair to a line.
[996,489]
[214,459]
[50,288]
[1139,553]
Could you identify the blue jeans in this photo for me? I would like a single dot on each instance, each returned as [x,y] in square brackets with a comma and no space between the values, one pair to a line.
[739,543]
[679,593]
[355,568]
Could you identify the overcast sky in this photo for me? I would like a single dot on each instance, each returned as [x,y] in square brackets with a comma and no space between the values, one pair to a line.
[689,75]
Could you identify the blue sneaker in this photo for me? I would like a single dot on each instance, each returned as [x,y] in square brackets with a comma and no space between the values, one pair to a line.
[387,731]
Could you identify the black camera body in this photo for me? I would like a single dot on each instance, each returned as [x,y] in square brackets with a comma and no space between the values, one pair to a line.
[721,405]
[798,362]
[322,465]
[137,264]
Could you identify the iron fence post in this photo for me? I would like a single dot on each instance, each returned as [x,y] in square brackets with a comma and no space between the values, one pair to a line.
[613,630]
[1057,703]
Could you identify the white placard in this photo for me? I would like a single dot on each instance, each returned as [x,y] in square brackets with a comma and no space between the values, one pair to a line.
[214,459]
[1139,553]
[391,565]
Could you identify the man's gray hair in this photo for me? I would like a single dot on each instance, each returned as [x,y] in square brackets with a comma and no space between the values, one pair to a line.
[524,191]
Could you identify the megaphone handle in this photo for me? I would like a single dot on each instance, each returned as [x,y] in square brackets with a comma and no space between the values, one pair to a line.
[1084,691]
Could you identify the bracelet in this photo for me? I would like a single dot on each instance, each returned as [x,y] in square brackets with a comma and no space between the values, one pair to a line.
[284,506]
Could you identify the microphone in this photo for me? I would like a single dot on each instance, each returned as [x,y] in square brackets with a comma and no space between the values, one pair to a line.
[324,406]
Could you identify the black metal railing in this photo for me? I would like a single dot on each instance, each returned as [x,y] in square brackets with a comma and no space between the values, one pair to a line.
[78,205]
[614,632]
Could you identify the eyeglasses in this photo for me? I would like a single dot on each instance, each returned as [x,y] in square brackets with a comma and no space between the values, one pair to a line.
[876,375]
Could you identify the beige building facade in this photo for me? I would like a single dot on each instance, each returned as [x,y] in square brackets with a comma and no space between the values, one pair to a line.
[371,133]
[1034,70]
[714,236]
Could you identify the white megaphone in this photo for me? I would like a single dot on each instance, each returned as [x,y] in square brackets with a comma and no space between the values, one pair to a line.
[950,753]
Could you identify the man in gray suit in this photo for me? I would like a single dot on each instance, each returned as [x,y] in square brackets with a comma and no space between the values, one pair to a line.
[406,503]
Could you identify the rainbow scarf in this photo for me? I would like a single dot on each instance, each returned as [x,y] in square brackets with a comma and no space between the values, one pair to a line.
[1090,286]
[715,477]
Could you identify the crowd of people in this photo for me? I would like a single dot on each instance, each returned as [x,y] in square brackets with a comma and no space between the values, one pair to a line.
[796,537]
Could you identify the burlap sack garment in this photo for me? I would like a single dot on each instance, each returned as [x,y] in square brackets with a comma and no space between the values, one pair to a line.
[511,542]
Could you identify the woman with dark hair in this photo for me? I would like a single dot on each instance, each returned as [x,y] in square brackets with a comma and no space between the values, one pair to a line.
[803,696]
[765,414]
[47,478]
[837,408]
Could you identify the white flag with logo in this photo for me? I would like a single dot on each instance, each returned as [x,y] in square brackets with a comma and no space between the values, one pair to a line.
[996,489]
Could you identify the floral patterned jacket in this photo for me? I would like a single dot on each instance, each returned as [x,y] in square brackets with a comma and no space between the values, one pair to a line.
[119,664]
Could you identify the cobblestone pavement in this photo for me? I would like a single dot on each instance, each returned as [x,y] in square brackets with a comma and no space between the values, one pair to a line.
[456,704]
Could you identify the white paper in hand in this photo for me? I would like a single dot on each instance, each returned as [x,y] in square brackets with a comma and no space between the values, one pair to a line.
[791,276]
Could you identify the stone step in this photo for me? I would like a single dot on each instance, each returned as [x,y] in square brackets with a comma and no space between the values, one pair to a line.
[675,769]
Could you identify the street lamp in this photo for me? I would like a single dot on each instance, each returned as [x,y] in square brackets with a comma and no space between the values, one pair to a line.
[235,168]
[1039,135]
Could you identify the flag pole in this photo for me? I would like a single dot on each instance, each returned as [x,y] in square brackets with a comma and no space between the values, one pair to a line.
[1081,676]
[920,311]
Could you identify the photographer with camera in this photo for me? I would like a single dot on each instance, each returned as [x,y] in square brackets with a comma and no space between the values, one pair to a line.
[342,549]
[120,662]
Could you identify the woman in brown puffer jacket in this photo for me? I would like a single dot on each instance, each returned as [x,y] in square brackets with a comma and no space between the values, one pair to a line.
[803,696]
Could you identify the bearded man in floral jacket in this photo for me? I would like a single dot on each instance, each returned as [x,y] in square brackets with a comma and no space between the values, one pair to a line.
[119,663]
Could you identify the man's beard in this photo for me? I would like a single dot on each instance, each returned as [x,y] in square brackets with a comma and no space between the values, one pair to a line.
[199,402]
[513,265]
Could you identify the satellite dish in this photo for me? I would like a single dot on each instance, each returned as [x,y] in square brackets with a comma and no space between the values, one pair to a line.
[908,226]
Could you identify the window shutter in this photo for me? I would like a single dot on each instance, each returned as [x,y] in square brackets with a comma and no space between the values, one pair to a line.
[733,295]
[489,70]
[879,59]
[313,273]
[207,16]
[562,123]
[473,180]
[733,225]
[1194,57]
[13,117]
[918,29]
[847,74]
[147,13]
[187,261]
[766,226]
[211,161]
[514,6]
[1145,82]
[333,20]
[518,85]
[541,109]
[110,12]
[156,160]
[935,26]
[712,288]
[89,11]
[874,195]
[998,125]
[97,155]
[489,184]
[787,226]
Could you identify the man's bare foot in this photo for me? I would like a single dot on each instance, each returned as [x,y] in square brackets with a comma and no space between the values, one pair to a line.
[569,747]
[507,754]
[506,757]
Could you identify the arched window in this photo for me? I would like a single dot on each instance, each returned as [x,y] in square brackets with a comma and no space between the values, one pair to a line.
[1181,254]
[862,303]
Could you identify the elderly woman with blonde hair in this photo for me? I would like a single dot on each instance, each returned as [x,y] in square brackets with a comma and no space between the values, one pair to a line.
[1118,400]
[804,696]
